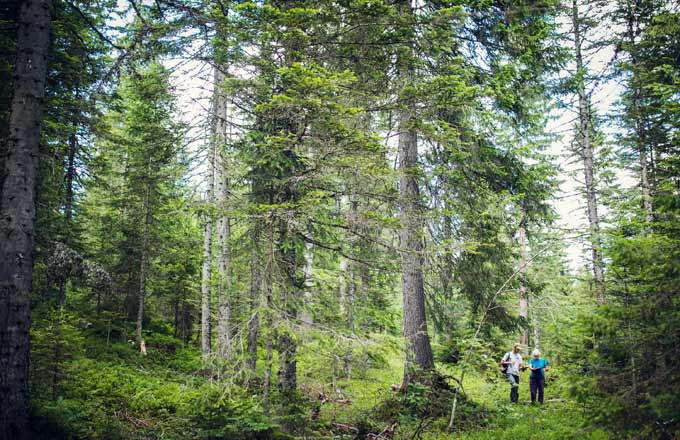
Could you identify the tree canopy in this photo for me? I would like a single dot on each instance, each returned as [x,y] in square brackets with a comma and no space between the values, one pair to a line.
[295,219]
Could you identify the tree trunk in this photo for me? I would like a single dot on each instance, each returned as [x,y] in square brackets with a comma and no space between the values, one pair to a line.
[587,154]
[305,316]
[143,269]
[523,291]
[365,289]
[17,214]
[206,276]
[70,174]
[68,213]
[342,291]
[640,131]
[287,344]
[645,185]
[269,289]
[224,343]
[418,351]
[255,286]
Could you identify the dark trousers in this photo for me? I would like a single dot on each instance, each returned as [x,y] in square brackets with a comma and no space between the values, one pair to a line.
[537,384]
[513,379]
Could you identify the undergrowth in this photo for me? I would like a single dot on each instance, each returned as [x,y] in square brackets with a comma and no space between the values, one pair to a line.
[107,390]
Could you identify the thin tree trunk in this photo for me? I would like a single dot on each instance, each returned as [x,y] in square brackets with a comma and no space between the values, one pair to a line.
[352,288]
[523,291]
[537,330]
[176,324]
[645,184]
[342,291]
[68,205]
[365,289]
[206,276]
[351,295]
[587,153]
[638,113]
[17,214]
[143,269]
[306,317]
[286,343]
[255,287]
[224,342]
[269,288]
[68,211]
[418,351]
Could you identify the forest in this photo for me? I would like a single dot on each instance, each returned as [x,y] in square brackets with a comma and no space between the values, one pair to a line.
[294,219]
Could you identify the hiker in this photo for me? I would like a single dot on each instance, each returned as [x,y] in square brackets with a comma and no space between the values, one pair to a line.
[538,366]
[511,364]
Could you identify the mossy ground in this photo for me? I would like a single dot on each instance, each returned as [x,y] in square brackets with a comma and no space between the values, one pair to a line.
[112,392]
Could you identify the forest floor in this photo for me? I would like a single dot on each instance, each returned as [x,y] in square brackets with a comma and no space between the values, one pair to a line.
[110,391]
[487,413]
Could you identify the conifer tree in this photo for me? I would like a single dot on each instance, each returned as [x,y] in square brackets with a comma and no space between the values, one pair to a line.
[18,194]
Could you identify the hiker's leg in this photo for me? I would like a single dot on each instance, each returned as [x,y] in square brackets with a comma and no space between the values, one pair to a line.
[533,385]
[515,389]
[541,387]
[511,380]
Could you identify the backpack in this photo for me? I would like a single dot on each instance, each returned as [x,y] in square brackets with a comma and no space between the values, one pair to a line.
[504,368]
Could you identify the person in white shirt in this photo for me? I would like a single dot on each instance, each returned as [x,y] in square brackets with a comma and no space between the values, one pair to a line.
[511,364]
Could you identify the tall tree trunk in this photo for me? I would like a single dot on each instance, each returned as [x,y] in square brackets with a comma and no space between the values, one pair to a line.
[224,343]
[68,182]
[68,213]
[418,351]
[206,275]
[287,344]
[638,115]
[342,291]
[645,185]
[585,128]
[537,330]
[352,268]
[523,291]
[255,287]
[305,316]
[17,214]
[365,278]
[269,289]
[143,267]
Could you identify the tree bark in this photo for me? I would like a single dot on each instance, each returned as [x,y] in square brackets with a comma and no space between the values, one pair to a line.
[269,289]
[638,115]
[523,291]
[287,343]
[17,214]
[224,343]
[206,274]
[305,316]
[143,269]
[255,287]
[68,213]
[584,116]
[69,178]
[418,351]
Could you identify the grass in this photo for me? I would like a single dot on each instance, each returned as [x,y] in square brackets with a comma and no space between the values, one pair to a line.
[485,394]
[111,392]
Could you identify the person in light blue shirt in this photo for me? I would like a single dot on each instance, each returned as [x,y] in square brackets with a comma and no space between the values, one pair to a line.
[538,367]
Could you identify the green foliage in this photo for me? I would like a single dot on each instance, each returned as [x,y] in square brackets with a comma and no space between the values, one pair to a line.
[314,212]
[120,396]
